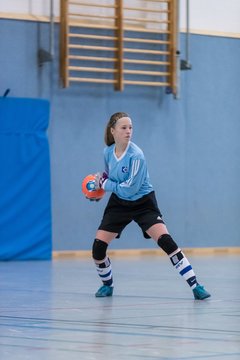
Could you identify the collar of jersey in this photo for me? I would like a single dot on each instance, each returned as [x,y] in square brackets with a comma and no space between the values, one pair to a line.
[123,154]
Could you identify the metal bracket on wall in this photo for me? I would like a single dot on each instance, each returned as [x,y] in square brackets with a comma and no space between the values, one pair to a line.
[44,56]
[185,65]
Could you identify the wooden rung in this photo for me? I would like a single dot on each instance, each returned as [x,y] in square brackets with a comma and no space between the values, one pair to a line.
[91,69]
[92,26]
[126,50]
[143,72]
[113,38]
[141,20]
[88,47]
[147,10]
[75,3]
[146,83]
[93,16]
[161,1]
[147,41]
[143,51]
[144,30]
[95,37]
[127,61]
[92,80]
[93,5]
[91,58]
[146,62]
[113,27]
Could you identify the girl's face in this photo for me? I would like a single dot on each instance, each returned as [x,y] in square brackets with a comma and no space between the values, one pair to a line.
[122,132]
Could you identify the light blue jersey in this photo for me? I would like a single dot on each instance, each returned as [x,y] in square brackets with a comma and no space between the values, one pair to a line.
[128,176]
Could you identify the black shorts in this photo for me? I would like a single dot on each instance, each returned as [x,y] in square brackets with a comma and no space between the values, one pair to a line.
[119,213]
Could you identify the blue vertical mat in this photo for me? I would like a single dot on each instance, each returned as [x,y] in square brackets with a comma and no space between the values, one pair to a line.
[25,204]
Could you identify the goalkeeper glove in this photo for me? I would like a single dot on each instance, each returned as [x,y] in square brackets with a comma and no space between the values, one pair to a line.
[100,179]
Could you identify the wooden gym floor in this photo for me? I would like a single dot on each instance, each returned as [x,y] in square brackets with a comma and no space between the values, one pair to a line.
[48,310]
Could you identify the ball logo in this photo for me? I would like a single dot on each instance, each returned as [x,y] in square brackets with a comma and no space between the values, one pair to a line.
[124,169]
[90,185]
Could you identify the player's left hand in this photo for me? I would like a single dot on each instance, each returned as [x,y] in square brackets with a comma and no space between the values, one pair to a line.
[100,179]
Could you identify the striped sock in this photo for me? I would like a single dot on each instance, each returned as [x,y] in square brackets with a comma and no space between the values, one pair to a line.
[181,263]
[104,270]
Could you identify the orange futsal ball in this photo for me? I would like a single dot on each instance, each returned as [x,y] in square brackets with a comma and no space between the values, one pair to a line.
[88,188]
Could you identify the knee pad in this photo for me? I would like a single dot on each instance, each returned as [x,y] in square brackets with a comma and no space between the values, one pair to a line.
[167,244]
[99,249]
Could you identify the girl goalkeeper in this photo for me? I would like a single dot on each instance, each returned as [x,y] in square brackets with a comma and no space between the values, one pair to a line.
[133,198]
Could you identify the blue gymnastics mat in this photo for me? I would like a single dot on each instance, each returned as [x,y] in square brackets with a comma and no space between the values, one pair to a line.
[25,202]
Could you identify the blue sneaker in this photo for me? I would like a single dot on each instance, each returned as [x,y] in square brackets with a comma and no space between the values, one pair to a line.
[104,291]
[200,293]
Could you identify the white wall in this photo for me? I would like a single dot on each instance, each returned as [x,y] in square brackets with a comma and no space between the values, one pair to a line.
[212,15]
[30,7]
[205,15]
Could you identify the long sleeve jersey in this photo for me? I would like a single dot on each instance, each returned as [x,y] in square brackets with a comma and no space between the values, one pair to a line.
[128,176]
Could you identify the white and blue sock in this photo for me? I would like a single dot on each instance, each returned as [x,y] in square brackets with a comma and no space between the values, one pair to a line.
[181,263]
[104,270]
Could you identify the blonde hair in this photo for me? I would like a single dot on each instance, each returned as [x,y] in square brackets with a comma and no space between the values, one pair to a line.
[108,137]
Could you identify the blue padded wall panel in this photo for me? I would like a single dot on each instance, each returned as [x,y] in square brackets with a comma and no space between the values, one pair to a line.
[25,210]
